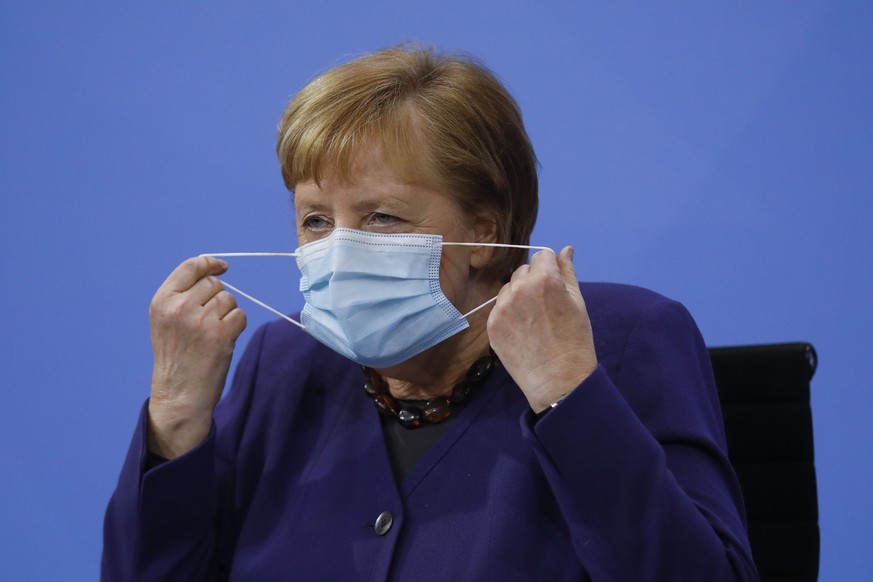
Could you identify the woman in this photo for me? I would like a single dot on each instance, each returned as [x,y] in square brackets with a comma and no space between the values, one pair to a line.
[562,432]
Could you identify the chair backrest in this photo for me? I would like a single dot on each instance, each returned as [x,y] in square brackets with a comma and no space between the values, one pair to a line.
[764,394]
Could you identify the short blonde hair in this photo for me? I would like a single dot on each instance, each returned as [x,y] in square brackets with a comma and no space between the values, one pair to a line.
[440,118]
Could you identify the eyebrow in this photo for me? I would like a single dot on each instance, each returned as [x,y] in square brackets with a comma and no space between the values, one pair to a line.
[382,201]
[369,203]
[311,207]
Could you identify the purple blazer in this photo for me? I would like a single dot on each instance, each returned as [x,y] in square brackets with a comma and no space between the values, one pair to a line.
[627,479]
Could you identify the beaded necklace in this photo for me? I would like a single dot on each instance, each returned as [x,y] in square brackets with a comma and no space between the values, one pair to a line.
[434,410]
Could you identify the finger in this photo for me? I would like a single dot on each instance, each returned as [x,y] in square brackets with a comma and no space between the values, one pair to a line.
[204,290]
[499,304]
[520,272]
[504,291]
[565,264]
[236,319]
[544,261]
[221,304]
[191,271]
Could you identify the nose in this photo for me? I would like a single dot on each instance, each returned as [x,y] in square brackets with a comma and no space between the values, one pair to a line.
[345,222]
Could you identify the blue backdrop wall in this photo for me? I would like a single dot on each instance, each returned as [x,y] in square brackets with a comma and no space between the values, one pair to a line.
[720,153]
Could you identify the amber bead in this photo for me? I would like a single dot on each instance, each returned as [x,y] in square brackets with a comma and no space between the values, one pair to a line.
[462,392]
[410,416]
[437,410]
[480,370]
[385,403]
[370,389]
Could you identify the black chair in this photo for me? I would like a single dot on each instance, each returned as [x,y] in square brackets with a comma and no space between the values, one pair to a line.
[764,394]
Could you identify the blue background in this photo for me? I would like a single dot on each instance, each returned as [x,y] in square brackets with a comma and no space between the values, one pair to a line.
[718,152]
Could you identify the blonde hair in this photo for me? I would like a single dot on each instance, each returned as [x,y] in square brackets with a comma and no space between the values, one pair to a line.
[440,118]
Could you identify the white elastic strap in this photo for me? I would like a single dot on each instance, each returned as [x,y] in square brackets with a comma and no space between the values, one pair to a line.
[501,245]
[475,309]
[248,254]
[261,303]
[246,295]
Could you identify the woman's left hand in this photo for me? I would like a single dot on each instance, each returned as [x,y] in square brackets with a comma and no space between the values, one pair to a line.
[539,328]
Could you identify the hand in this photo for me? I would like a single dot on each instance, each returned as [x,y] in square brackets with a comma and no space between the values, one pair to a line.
[539,328]
[194,324]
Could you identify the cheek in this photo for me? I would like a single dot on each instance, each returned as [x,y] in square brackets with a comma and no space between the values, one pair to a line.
[454,275]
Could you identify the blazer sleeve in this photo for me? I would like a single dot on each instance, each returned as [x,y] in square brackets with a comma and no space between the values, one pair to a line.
[175,521]
[637,461]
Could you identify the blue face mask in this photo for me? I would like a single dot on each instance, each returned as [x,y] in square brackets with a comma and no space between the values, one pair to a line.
[374,298]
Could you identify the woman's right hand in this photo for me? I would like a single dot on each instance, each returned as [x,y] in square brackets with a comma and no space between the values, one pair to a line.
[194,324]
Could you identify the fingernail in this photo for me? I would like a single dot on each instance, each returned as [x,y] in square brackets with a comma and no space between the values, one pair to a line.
[571,253]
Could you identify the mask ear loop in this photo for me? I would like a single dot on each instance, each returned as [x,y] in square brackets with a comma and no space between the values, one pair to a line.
[246,295]
[247,255]
[499,245]
[475,309]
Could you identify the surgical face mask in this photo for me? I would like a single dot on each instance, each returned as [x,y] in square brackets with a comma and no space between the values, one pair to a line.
[374,298]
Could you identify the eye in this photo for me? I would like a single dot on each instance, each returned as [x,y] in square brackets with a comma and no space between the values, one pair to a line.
[382,219]
[315,222]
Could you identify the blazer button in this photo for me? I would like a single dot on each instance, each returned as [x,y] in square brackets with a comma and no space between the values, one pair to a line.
[383,523]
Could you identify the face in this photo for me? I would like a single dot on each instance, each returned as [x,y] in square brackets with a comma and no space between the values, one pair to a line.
[377,200]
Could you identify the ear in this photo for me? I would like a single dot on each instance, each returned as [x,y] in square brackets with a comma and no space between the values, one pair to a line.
[484,231]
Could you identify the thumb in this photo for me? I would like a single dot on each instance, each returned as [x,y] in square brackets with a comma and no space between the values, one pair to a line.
[565,265]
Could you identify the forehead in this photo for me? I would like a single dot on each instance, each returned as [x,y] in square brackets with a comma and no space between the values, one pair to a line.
[371,191]
[371,173]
